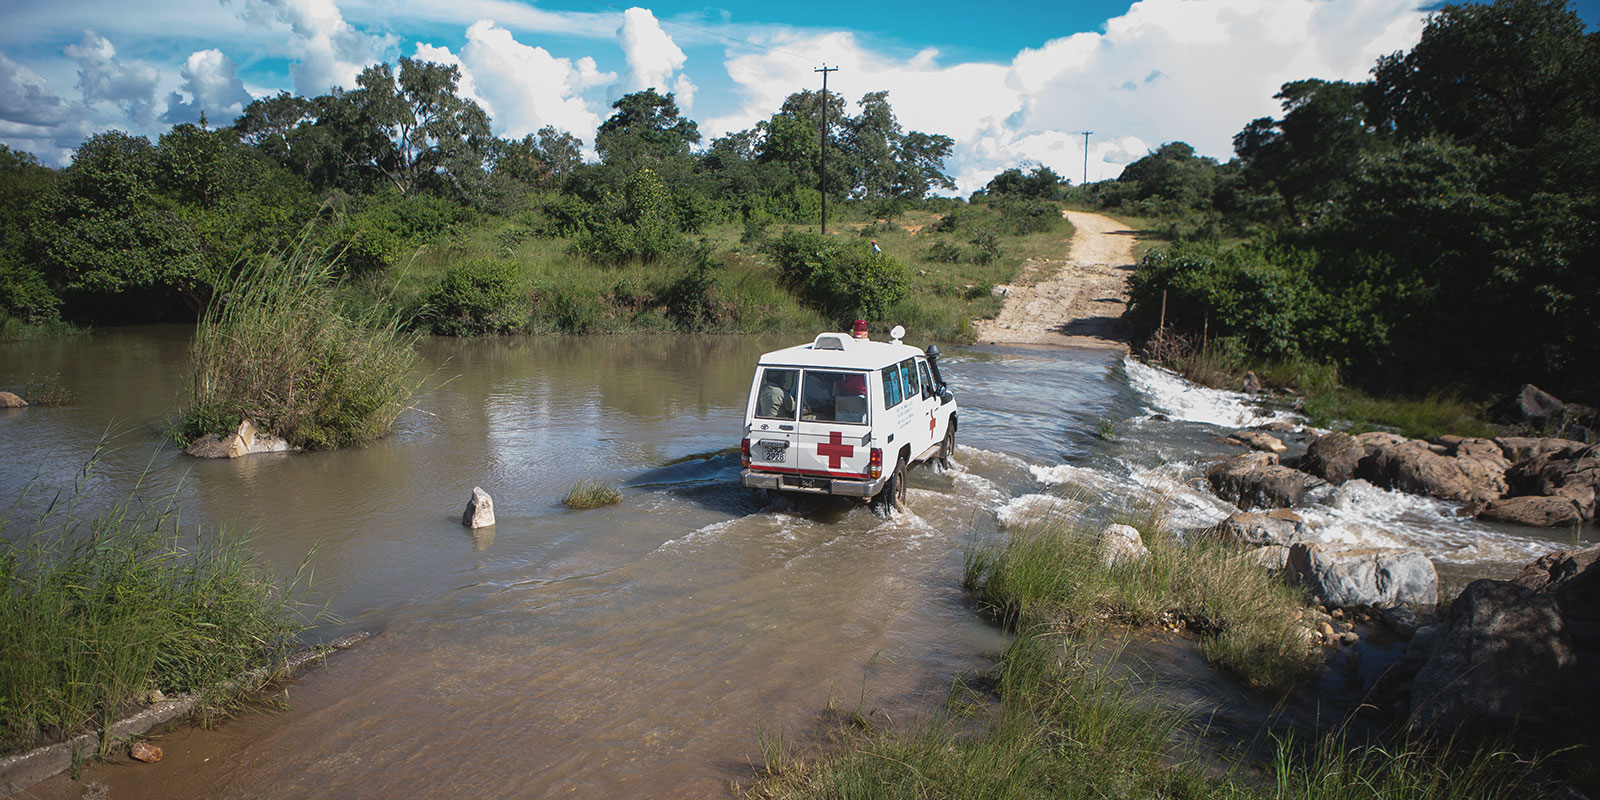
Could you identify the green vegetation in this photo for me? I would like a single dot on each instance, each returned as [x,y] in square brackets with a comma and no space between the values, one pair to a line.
[425,213]
[96,612]
[279,348]
[1068,718]
[1053,573]
[1362,226]
[590,493]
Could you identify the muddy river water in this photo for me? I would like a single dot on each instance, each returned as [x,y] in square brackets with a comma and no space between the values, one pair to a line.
[645,649]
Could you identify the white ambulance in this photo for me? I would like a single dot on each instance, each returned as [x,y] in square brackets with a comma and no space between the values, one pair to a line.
[845,415]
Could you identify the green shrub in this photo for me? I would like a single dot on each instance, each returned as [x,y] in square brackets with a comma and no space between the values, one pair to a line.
[477,298]
[279,348]
[987,246]
[844,281]
[1030,216]
[944,252]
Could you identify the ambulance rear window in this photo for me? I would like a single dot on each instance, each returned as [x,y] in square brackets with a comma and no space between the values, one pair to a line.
[775,398]
[833,397]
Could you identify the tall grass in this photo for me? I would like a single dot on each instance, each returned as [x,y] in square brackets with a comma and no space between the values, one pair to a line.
[1068,726]
[95,611]
[1053,572]
[277,346]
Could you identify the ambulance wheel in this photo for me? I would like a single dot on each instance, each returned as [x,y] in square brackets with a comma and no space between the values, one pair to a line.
[947,449]
[893,495]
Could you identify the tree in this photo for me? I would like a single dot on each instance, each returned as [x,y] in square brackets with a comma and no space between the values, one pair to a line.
[1496,75]
[1306,155]
[539,159]
[1042,183]
[645,131]
[414,130]
[107,230]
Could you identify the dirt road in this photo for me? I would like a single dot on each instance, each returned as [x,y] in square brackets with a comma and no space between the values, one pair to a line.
[1073,303]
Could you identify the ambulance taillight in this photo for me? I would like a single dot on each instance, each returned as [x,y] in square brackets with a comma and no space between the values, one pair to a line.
[744,452]
[875,465]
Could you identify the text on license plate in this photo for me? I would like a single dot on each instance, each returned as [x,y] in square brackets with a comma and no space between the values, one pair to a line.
[774,451]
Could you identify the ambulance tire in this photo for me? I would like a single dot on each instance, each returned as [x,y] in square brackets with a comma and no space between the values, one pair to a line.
[947,449]
[893,495]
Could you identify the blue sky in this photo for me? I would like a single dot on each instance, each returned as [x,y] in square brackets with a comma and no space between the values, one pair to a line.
[1012,83]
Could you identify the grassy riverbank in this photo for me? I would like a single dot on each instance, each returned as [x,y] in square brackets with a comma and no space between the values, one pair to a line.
[98,611]
[1064,719]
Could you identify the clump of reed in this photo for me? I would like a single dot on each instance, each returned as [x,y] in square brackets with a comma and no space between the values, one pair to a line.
[279,347]
[97,611]
[590,493]
[1053,572]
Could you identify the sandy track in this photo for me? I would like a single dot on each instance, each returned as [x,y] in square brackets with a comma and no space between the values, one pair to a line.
[1078,302]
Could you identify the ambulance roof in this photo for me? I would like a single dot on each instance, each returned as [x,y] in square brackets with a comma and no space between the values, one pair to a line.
[841,351]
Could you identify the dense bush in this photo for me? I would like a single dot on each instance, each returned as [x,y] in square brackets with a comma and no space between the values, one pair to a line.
[1030,216]
[844,281]
[478,297]
[278,347]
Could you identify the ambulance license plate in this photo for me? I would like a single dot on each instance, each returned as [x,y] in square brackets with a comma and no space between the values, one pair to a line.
[774,451]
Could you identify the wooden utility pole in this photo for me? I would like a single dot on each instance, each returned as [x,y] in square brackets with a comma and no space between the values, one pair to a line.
[822,180]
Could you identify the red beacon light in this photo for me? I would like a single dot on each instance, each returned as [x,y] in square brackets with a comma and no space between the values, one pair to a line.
[860,330]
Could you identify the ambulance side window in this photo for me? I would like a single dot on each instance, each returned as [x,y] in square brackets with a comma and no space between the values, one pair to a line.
[927,381]
[908,371]
[775,398]
[892,394]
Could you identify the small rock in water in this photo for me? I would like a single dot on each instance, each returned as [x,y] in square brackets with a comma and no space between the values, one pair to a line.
[144,751]
[1121,542]
[1349,637]
[1326,630]
[9,400]
[1252,384]
[480,510]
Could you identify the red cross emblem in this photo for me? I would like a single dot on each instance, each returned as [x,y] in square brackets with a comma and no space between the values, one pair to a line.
[835,449]
[932,421]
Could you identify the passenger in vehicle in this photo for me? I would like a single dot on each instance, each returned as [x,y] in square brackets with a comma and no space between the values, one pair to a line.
[776,398]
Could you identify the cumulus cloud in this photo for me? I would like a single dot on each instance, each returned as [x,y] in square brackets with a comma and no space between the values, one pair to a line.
[466,87]
[526,87]
[212,84]
[330,52]
[26,97]
[654,60]
[1165,70]
[102,77]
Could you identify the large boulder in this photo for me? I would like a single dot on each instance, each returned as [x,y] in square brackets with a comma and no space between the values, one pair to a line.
[1412,465]
[1333,457]
[1279,527]
[1566,472]
[1519,657]
[1503,661]
[1530,405]
[1257,440]
[244,441]
[1533,511]
[1357,578]
[1522,448]
[1257,480]
[9,400]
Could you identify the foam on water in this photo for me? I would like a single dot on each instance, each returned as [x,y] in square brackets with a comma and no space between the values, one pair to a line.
[1032,508]
[1169,394]
[1362,515]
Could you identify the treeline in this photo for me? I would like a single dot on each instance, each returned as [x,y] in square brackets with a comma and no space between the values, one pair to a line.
[1435,225]
[135,230]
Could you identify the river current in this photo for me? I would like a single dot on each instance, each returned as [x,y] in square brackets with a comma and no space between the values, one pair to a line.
[644,649]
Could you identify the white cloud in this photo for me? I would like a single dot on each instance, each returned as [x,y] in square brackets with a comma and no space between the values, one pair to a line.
[212,84]
[654,60]
[466,87]
[527,87]
[1165,70]
[102,77]
[26,98]
[329,50]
